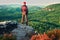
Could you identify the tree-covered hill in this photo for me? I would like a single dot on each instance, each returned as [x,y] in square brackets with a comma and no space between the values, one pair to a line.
[42,19]
[54,12]
[12,12]
[47,18]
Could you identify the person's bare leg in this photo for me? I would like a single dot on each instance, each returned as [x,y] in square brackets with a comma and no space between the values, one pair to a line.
[26,19]
[23,18]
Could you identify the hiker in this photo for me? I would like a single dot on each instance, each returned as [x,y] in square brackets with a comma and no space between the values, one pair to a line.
[24,10]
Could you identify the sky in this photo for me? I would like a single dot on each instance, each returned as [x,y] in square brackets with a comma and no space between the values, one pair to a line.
[30,2]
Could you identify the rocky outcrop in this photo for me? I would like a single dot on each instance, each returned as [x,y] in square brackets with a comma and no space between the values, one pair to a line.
[23,32]
[7,27]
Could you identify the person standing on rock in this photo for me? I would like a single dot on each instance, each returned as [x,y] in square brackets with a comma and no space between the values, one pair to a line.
[24,10]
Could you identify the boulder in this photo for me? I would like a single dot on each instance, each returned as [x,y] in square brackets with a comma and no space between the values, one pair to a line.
[7,26]
[23,32]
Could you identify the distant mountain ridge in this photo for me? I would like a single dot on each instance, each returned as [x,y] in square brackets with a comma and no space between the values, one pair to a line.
[7,11]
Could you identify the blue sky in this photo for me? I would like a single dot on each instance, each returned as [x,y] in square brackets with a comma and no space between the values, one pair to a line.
[30,2]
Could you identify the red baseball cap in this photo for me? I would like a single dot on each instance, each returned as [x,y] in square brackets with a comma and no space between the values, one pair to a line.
[24,2]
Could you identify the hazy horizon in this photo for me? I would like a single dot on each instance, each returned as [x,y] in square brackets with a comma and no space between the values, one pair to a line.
[30,2]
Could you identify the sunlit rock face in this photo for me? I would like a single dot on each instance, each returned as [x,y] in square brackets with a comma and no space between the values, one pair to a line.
[23,32]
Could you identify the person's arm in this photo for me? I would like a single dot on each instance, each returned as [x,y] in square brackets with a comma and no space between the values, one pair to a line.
[27,10]
[21,8]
